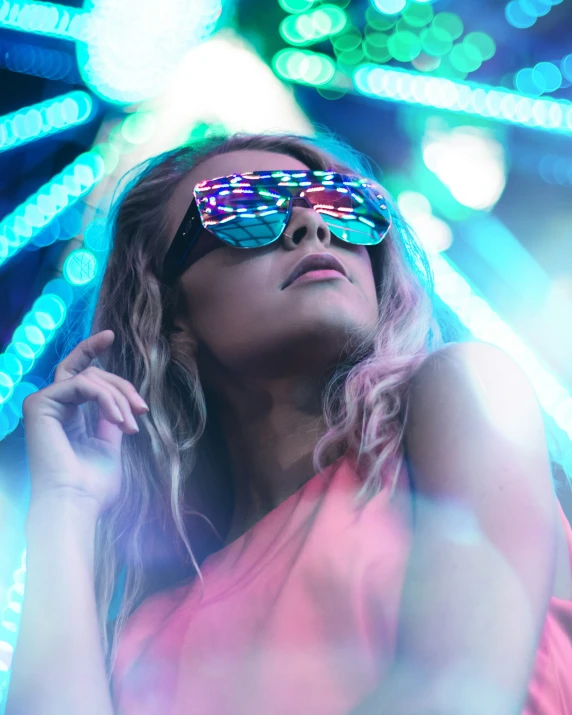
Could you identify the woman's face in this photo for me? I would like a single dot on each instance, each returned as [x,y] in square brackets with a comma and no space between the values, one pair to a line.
[235,306]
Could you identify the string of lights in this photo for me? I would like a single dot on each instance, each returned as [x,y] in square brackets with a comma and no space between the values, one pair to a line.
[47,62]
[63,190]
[45,118]
[522,14]
[44,18]
[493,103]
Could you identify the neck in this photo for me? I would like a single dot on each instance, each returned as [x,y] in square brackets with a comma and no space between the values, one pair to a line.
[271,429]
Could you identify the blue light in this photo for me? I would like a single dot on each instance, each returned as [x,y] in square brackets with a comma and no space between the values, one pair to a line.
[535,8]
[45,118]
[566,67]
[517,17]
[549,74]
[524,13]
[39,61]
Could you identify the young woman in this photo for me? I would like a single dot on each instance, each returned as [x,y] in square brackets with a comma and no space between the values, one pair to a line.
[324,509]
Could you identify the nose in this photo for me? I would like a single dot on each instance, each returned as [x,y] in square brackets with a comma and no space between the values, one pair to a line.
[305,224]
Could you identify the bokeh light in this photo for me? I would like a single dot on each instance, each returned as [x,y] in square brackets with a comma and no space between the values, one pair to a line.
[418,15]
[482,100]
[470,162]
[44,18]
[389,7]
[295,6]
[307,28]
[434,234]
[404,46]
[131,46]
[39,210]
[80,267]
[450,23]
[44,118]
[303,66]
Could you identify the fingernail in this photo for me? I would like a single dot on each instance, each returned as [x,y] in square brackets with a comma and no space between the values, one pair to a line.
[143,403]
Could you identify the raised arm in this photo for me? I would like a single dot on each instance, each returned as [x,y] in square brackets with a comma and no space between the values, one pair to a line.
[480,572]
[59,666]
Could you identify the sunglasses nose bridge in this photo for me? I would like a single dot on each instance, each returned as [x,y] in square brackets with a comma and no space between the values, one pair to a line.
[303,202]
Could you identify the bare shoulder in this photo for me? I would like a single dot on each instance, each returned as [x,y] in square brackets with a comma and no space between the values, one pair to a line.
[477,365]
[474,426]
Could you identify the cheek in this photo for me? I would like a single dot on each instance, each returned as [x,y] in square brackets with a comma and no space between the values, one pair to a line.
[225,302]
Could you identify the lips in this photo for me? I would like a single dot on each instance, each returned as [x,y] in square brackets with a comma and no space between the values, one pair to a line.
[315,262]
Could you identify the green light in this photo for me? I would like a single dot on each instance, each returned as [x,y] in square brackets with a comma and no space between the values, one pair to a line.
[465,58]
[435,41]
[348,40]
[404,46]
[483,43]
[313,26]
[418,14]
[139,127]
[378,21]
[448,70]
[450,23]
[375,47]
[301,66]
[296,5]
[351,57]
[80,267]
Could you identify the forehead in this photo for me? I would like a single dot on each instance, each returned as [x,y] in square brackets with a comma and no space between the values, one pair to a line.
[235,162]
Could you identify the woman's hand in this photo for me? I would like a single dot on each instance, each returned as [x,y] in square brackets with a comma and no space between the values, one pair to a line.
[64,460]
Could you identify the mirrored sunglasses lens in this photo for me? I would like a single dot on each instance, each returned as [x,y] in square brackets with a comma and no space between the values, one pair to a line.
[245,216]
[354,214]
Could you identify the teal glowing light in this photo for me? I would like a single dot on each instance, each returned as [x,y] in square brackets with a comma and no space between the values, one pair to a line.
[45,118]
[44,18]
[27,220]
[296,5]
[464,97]
[80,267]
[389,7]
[28,342]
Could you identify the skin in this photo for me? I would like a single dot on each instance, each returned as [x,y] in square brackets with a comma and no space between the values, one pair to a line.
[262,350]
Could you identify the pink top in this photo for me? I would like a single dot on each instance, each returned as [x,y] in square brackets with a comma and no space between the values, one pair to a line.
[299,616]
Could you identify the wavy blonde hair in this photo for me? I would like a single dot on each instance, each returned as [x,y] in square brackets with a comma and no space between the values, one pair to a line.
[176,496]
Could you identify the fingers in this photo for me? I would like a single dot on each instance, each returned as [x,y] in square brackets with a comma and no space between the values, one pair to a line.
[75,391]
[125,402]
[84,352]
[124,386]
[125,399]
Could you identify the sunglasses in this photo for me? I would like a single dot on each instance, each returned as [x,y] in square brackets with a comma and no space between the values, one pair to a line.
[252,210]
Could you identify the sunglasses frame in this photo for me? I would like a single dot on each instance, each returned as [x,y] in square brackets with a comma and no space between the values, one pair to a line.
[176,260]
